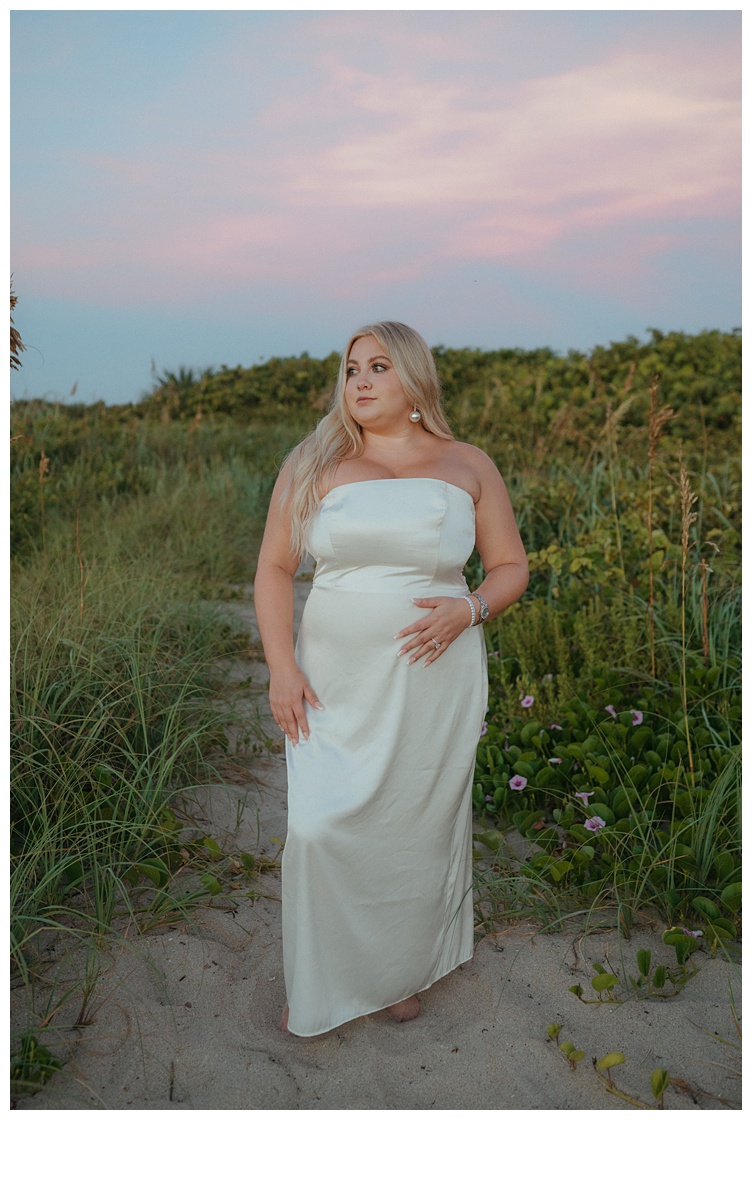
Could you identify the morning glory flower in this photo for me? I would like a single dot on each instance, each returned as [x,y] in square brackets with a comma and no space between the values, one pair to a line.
[483,729]
[556,760]
[527,701]
[595,823]
[610,709]
[636,716]
[517,783]
[584,795]
[556,726]
[695,933]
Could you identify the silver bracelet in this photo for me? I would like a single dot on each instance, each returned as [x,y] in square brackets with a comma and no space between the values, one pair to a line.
[472,610]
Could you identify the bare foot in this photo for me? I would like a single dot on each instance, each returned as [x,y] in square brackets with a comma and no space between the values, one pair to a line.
[283,1019]
[406,1010]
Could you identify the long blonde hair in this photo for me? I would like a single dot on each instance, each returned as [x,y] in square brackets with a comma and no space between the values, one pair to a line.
[339,436]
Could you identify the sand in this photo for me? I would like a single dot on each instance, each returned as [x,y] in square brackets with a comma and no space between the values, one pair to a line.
[185,1016]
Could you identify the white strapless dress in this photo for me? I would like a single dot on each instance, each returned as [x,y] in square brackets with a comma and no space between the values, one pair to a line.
[376,870]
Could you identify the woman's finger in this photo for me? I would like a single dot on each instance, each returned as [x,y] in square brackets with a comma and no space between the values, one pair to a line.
[427,647]
[311,697]
[409,630]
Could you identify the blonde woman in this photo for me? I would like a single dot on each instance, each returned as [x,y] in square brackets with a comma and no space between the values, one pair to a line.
[383,698]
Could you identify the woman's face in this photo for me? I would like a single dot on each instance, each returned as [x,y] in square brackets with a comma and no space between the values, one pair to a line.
[374,394]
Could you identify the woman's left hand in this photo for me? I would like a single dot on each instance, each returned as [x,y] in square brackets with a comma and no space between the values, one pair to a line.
[445,620]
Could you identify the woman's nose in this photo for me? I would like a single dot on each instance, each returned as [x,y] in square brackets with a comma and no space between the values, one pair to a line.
[363,383]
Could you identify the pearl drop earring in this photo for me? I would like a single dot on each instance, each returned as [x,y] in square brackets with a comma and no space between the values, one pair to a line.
[415,416]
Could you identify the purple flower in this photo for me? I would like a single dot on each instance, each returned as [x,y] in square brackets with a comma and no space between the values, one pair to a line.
[548,677]
[517,783]
[506,743]
[556,760]
[636,716]
[488,798]
[527,701]
[610,709]
[483,729]
[594,823]
[556,726]
[584,796]
[695,933]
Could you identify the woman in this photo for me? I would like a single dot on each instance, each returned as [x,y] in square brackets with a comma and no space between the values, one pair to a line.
[376,870]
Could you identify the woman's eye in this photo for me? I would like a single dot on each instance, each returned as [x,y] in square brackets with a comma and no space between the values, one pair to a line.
[350,371]
[379,366]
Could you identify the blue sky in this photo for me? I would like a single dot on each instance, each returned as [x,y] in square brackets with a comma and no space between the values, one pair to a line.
[197,188]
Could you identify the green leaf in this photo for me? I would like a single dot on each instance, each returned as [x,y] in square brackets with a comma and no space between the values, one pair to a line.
[598,774]
[706,906]
[567,1048]
[576,990]
[659,977]
[558,870]
[212,884]
[576,1056]
[584,855]
[643,962]
[528,731]
[554,1031]
[615,1059]
[683,945]
[209,844]
[604,983]
[731,896]
[602,811]
[154,870]
[720,929]
[659,1081]
[491,840]
[723,864]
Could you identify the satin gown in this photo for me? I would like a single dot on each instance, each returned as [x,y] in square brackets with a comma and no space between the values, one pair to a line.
[376,869]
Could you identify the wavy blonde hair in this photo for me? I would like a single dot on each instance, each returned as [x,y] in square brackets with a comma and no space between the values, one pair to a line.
[339,436]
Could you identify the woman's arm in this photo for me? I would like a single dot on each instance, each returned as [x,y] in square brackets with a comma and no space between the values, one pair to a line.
[273,598]
[504,561]
[498,541]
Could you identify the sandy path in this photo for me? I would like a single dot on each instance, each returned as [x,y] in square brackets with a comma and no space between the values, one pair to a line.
[187,1014]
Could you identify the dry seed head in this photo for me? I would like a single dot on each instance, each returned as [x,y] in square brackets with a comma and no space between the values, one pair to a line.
[16,345]
[44,466]
[658,417]
[688,499]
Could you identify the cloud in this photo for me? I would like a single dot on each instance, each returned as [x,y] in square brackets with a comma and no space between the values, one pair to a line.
[384,151]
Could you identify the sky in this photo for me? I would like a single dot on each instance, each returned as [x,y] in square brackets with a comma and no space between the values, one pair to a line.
[199,189]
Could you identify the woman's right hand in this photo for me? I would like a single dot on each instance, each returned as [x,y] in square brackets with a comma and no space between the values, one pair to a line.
[288,692]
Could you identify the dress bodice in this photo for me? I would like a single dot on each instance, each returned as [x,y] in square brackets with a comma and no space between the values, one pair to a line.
[384,535]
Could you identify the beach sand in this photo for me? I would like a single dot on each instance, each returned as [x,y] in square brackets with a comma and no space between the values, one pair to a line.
[185,1017]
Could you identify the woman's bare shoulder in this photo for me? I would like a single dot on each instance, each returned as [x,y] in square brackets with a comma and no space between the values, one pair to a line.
[476,459]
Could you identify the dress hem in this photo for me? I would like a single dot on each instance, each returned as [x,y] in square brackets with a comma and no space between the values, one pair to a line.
[382,1007]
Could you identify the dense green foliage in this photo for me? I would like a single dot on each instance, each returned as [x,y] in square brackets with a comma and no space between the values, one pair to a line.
[125,520]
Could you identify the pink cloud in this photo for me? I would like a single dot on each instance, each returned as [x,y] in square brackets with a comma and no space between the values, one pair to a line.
[390,158]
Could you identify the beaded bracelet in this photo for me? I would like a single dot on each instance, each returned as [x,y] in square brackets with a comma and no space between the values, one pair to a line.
[474,617]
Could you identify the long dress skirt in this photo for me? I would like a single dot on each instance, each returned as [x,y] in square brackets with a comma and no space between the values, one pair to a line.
[376,869]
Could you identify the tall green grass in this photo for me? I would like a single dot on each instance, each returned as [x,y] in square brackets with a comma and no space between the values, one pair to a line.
[114,688]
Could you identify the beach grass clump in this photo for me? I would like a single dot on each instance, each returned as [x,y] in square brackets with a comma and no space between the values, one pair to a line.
[111,713]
